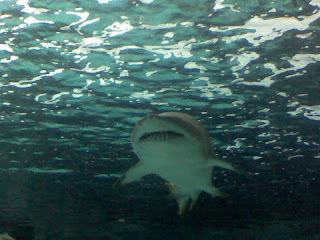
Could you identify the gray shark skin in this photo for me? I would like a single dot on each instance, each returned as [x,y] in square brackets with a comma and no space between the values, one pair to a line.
[176,147]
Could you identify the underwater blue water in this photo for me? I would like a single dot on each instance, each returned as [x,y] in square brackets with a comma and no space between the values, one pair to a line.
[75,76]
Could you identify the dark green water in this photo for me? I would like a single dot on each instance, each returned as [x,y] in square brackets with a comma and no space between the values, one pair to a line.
[75,76]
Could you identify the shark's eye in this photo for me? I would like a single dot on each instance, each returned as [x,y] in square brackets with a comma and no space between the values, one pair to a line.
[161,135]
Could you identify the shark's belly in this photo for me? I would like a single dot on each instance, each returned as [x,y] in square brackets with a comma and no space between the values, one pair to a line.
[169,152]
[187,176]
[182,165]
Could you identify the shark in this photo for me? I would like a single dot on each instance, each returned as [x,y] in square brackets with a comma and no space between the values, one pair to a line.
[6,236]
[178,148]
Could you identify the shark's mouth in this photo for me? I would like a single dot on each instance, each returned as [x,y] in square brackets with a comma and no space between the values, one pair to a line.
[160,136]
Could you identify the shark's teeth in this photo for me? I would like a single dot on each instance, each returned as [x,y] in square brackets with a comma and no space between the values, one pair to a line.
[160,136]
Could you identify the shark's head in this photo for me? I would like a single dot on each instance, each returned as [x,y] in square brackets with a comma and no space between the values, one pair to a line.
[170,131]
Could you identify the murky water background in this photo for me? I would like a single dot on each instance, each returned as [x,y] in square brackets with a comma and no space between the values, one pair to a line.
[76,76]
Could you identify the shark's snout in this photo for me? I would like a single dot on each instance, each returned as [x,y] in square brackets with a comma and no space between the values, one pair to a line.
[156,128]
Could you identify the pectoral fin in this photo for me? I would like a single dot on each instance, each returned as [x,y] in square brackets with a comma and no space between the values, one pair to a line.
[224,164]
[215,192]
[135,173]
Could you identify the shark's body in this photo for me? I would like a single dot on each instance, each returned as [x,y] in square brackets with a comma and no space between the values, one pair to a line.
[177,148]
[6,236]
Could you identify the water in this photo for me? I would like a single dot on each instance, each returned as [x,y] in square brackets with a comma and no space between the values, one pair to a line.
[77,75]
